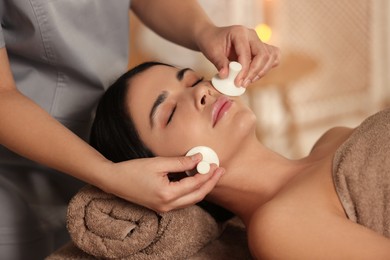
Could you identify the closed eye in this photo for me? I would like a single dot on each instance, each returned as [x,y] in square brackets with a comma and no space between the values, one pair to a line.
[197,82]
[171,115]
[174,109]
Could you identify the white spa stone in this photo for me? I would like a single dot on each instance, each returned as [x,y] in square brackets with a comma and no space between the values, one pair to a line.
[203,167]
[226,86]
[208,157]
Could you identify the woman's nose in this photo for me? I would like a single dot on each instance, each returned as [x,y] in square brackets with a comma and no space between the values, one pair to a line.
[202,95]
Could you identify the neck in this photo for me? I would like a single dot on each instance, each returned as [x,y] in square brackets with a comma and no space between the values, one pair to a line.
[253,176]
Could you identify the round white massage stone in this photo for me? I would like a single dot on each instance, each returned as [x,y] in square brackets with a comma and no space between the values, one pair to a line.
[203,167]
[226,86]
[209,156]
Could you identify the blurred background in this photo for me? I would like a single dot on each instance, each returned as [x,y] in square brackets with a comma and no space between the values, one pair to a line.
[334,67]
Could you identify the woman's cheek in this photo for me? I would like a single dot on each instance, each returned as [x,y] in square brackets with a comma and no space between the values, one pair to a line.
[187,136]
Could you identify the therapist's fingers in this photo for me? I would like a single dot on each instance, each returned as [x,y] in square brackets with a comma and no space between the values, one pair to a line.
[176,164]
[273,61]
[242,51]
[238,43]
[256,57]
[185,192]
[222,64]
[147,182]
[264,59]
[261,56]
[225,44]
[193,189]
[249,50]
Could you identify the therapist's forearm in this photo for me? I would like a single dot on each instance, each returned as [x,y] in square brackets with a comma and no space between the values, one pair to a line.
[30,131]
[179,21]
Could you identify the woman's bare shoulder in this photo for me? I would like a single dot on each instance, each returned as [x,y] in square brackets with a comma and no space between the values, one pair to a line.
[332,139]
[280,231]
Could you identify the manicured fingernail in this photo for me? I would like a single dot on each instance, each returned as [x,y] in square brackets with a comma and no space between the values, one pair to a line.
[241,82]
[246,83]
[220,171]
[223,73]
[196,157]
[256,78]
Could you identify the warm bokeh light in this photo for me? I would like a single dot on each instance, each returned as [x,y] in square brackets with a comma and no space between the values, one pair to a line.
[264,32]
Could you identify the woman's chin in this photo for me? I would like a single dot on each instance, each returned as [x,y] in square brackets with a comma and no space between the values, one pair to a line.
[245,123]
[241,132]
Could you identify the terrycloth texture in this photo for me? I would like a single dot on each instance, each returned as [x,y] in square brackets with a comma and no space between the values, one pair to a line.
[361,173]
[183,234]
[106,226]
[231,245]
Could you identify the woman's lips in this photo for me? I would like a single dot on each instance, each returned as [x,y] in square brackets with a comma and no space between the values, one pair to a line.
[220,107]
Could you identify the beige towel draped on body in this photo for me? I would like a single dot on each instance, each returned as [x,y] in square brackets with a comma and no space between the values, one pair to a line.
[361,173]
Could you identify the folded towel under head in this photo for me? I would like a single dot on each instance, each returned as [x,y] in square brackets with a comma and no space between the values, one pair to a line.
[106,226]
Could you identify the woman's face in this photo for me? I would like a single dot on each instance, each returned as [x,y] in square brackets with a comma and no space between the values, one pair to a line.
[175,110]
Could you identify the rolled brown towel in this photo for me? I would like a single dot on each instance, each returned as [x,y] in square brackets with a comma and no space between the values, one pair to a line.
[106,226]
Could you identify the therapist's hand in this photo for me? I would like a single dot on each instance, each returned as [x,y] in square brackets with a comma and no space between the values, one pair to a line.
[145,182]
[238,43]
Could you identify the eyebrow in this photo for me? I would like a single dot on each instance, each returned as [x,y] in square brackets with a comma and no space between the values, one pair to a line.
[180,74]
[163,96]
[159,100]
